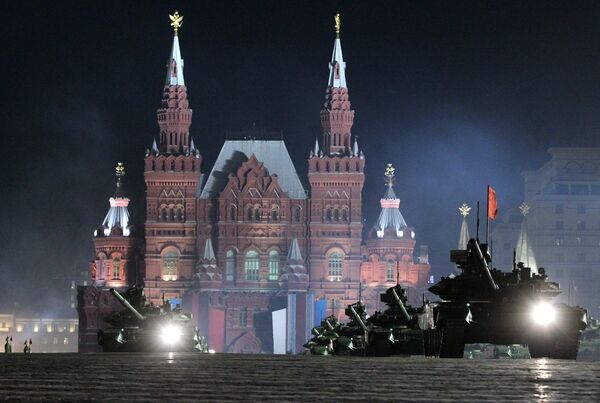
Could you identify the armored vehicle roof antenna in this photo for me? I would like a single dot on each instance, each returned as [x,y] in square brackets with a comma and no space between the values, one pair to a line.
[477,232]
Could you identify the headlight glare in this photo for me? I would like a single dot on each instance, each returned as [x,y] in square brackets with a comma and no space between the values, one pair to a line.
[170,334]
[543,313]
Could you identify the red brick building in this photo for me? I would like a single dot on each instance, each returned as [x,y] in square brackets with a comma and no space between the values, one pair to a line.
[245,241]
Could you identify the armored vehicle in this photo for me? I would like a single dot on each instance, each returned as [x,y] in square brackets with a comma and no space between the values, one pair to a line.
[148,328]
[394,331]
[483,305]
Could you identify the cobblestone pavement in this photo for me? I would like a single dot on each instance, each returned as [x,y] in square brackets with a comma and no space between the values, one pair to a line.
[226,377]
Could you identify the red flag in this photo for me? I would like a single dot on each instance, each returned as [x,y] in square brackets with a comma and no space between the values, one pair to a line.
[492,204]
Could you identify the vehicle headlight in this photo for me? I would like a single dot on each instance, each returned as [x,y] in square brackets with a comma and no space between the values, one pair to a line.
[543,313]
[170,334]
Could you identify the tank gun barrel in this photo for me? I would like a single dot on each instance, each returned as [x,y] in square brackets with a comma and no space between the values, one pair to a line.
[126,304]
[357,318]
[400,305]
[485,267]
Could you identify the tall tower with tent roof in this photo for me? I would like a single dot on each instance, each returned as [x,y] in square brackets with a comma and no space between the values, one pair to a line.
[390,251]
[171,173]
[117,263]
[336,178]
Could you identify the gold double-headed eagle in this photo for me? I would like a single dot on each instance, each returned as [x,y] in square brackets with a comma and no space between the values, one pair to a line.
[389,174]
[338,23]
[120,169]
[524,207]
[464,209]
[176,21]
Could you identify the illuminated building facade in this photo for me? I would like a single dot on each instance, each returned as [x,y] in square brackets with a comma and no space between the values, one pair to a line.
[244,239]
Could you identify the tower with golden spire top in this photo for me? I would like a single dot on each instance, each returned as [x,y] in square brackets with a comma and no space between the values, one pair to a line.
[172,170]
[336,177]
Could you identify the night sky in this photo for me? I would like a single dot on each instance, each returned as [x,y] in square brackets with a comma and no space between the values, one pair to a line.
[455,94]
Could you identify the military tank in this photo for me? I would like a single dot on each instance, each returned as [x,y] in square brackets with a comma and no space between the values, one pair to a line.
[148,328]
[483,305]
[392,332]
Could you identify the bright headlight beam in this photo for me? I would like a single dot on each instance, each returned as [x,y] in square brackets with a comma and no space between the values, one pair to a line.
[543,313]
[170,334]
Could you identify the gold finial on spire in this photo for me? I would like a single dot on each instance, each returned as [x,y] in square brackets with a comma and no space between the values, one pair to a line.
[524,207]
[338,24]
[120,169]
[176,21]
[389,174]
[464,209]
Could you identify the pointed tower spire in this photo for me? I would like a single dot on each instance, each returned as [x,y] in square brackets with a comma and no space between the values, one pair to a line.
[390,216]
[174,116]
[316,149]
[117,218]
[355,147]
[337,117]
[463,239]
[175,63]
[524,250]
[154,147]
[294,253]
[337,66]
[209,253]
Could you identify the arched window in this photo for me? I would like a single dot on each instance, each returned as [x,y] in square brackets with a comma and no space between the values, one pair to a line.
[251,265]
[334,266]
[328,214]
[337,167]
[344,215]
[274,213]
[169,261]
[230,265]
[243,317]
[336,215]
[163,214]
[116,267]
[172,165]
[232,213]
[390,270]
[180,214]
[249,213]
[171,214]
[273,265]
[256,213]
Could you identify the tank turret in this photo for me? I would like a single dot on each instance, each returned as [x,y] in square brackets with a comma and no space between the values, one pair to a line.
[483,305]
[143,327]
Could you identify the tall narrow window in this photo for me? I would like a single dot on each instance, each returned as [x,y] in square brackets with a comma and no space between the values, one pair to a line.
[249,213]
[257,213]
[232,213]
[171,214]
[180,214]
[296,214]
[274,213]
[251,265]
[243,317]
[273,265]
[328,214]
[230,265]
[336,215]
[390,270]
[116,267]
[163,214]
[335,266]
[344,215]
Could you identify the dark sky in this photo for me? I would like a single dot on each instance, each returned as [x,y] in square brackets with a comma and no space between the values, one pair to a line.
[455,94]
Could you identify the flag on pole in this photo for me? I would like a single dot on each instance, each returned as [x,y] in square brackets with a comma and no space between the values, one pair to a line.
[492,204]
